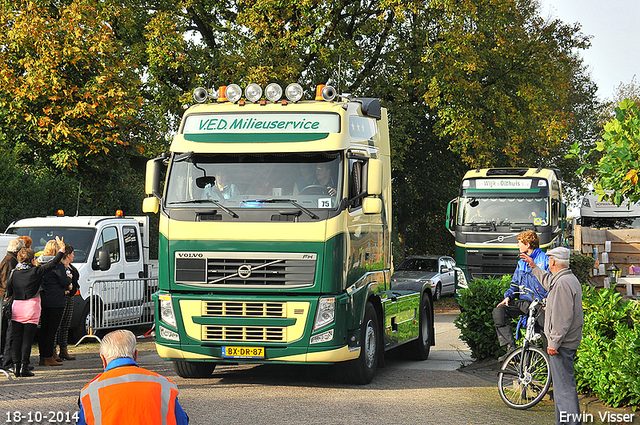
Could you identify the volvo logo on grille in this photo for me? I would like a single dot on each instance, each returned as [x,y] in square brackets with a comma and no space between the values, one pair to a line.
[500,238]
[190,255]
[244,271]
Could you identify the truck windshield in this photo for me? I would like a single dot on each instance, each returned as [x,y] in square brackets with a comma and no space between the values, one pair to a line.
[80,238]
[503,211]
[312,180]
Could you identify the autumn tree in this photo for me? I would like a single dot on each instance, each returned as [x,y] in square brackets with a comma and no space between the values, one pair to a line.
[500,78]
[90,88]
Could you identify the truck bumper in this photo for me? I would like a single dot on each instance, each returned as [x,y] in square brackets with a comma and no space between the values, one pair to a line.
[341,354]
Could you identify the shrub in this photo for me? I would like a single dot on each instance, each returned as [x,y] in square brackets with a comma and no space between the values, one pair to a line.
[581,266]
[609,354]
[476,319]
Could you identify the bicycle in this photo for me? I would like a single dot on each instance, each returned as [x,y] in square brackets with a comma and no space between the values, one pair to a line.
[524,376]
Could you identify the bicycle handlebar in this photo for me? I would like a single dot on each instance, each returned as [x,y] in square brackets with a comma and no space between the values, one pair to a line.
[523,289]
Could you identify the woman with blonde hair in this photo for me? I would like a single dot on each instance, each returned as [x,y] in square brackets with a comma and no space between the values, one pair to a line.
[54,284]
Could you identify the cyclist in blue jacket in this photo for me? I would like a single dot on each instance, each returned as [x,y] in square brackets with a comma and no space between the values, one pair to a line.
[515,303]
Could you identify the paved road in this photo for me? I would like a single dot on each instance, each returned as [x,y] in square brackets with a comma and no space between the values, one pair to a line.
[405,392]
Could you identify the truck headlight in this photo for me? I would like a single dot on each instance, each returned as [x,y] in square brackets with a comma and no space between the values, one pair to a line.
[233,93]
[273,92]
[326,313]
[166,310]
[294,92]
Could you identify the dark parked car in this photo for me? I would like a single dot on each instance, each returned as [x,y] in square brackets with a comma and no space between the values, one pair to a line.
[440,270]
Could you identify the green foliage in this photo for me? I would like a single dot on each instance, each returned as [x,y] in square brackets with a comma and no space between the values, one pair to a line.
[475,321]
[30,192]
[581,266]
[609,354]
[38,192]
[618,167]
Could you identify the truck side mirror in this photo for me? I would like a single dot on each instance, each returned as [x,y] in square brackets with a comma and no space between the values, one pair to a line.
[374,177]
[152,177]
[103,262]
[452,212]
[150,205]
[371,205]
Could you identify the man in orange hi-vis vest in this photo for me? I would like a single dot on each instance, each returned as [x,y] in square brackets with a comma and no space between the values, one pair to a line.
[127,393]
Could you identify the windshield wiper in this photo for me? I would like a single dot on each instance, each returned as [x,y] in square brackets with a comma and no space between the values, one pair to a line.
[287,201]
[207,201]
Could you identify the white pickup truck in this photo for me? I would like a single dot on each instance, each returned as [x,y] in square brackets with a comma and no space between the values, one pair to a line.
[4,243]
[114,249]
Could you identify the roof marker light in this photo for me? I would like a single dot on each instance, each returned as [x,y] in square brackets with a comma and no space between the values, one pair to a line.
[253,92]
[294,92]
[60,213]
[222,94]
[119,213]
[273,92]
[233,93]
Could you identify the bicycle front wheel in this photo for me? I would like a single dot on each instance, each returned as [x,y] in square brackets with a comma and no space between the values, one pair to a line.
[524,378]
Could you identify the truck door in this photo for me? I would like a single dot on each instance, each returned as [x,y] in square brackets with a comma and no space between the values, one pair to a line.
[109,241]
[134,292]
[133,265]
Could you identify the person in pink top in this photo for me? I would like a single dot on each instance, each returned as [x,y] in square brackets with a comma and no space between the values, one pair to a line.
[24,287]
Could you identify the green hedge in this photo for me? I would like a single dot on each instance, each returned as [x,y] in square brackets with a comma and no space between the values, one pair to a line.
[609,355]
[581,266]
[476,319]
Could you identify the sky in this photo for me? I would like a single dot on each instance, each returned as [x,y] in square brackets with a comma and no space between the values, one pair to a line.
[614,55]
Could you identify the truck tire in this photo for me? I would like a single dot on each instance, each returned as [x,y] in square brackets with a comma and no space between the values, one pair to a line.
[193,369]
[420,348]
[362,370]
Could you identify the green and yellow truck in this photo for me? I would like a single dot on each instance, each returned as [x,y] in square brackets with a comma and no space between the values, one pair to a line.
[493,206]
[274,245]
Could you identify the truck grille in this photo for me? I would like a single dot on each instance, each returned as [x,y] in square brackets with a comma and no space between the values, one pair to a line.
[244,309]
[243,333]
[486,264]
[245,269]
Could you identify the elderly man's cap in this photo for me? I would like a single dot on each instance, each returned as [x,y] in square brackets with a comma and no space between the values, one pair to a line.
[561,253]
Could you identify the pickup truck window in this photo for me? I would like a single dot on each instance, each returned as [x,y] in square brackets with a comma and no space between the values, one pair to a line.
[131,247]
[109,241]
[81,238]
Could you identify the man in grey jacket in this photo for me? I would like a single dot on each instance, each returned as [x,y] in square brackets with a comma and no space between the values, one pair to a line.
[563,328]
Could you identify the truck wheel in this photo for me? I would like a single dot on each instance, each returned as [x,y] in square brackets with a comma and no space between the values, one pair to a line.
[361,370]
[421,347]
[193,369]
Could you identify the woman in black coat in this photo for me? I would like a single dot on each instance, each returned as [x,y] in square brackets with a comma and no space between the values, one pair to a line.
[62,337]
[24,288]
[55,283]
